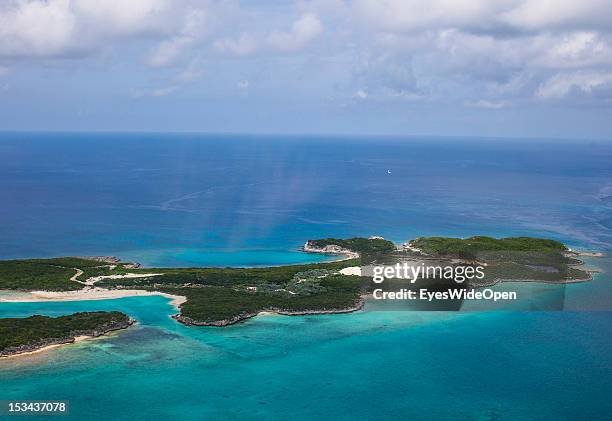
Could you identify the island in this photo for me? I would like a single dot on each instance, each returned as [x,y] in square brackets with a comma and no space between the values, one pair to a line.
[30,334]
[514,259]
[224,296]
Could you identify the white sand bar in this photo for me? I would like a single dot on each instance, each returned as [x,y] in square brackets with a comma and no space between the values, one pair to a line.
[87,294]
[352,270]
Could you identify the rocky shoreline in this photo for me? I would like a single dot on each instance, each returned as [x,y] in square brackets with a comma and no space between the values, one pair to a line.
[69,339]
[101,259]
[110,260]
[309,247]
[587,253]
[245,316]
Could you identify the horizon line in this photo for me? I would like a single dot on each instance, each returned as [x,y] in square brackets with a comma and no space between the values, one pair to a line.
[309,134]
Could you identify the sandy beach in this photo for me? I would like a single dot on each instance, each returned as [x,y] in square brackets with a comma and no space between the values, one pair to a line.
[87,294]
[91,281]
[351,271]
[50,347]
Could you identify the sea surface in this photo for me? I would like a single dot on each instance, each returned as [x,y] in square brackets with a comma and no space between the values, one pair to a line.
[204,200]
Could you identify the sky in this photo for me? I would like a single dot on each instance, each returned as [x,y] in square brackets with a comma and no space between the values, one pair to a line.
[510,68]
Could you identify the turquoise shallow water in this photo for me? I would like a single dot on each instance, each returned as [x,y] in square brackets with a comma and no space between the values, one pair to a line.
[374,364]
[501,365]
[194,200]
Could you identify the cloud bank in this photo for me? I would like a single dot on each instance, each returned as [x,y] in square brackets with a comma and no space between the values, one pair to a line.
[489,55]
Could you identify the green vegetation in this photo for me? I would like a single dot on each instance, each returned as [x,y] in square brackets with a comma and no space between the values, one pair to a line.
[308,282]
[211,292]
[23,334]
[221,294]
[369,248]
[213,303]
[515,258]
[52,274]
[227,277]
[39,274]
[68,262]
[473,247]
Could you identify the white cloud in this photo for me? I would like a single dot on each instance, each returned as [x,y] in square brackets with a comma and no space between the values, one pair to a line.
[168,51]
[576,83]
[417,15]
[244,45]
[476,53]
[506,49]
[484,103]
[304,30]
[155,92]
[192,72]
[64,28]
[559,14]
[485,15]
[387,75]
[576,50]
[164,91]
[579,44]
[37,28]
[360,94]
[243,84]
[120,17]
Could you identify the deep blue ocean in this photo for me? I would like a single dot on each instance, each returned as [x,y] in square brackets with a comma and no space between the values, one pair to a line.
[205,200]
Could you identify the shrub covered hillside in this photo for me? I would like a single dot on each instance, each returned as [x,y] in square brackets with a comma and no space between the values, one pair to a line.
[36,331]
[473,247]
